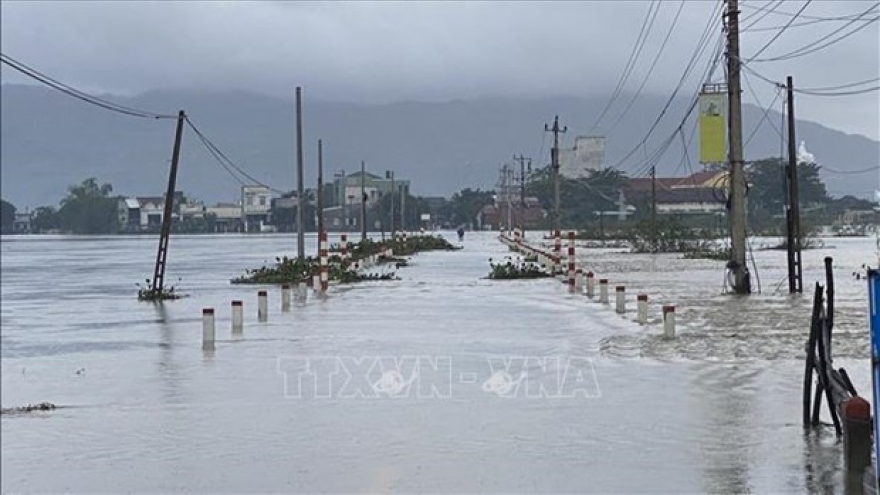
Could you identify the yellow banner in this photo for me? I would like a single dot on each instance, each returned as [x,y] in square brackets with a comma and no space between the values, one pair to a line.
[713,127]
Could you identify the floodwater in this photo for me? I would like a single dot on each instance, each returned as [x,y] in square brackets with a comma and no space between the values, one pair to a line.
[520,386]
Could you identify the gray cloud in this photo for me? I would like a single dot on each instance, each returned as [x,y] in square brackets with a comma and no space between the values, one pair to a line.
[388,51]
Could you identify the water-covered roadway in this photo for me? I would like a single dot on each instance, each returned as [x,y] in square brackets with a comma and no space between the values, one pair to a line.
[443,381]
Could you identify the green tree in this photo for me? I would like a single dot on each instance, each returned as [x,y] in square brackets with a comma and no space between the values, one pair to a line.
[580,198]
[7,216]
[768,191]
[465,204]
[89,209]
[45,219]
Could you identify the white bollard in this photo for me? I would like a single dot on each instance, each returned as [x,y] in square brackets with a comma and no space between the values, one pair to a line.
[316,282]
[262,306]
[603,291]
[669,321]
[642,309]
[620,294]
[237,318]
[302,292]
[591,285]
[579,280]
[208,329]
[285,298]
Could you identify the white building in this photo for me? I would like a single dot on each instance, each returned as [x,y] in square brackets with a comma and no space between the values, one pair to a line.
[587,154]
[256,203]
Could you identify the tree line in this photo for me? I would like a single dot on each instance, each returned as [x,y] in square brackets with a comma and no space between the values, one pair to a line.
[91,207]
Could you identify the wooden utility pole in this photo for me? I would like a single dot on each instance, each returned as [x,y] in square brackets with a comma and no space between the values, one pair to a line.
[300,232]
[792,213]
[319,194]
[741,278]
[554,160]
[363,202]
[653,208]
[162,254]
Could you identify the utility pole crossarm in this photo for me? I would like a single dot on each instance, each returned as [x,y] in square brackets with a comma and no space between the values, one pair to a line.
[554,158]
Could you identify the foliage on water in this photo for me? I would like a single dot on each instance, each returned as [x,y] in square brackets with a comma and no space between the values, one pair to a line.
[510,269]
[42,406]
[294,270]
[147,293]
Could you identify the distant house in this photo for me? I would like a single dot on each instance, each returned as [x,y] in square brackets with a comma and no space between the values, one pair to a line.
[256,204]
[495,216]
[129,210]
[145,213]
[346,189]
[227,217]
[701,193]
[22,223]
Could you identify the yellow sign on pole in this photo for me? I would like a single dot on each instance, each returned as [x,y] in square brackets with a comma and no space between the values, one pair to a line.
[713,127]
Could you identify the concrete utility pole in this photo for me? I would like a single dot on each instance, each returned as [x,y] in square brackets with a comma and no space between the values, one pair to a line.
[522,189]
[300,232]
[363,202]
[403,192]
[162,254]
[554,160]
[653,208]
[390,175]
[793,213]
[741,278]
[319,195]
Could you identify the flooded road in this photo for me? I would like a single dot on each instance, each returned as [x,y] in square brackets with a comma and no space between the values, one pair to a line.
[443,381]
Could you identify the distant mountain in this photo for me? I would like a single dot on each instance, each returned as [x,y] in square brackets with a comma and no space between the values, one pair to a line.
[50,141]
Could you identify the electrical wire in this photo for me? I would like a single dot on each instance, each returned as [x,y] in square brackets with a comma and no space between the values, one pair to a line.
[838,93]
[779,33]
[764,115]
[802,16]
[851,172]
[842,86]
[226,162]
[650,69]
[812,47]
[647,23]
[761,18]
[713,63]
[79,95]
[806,23]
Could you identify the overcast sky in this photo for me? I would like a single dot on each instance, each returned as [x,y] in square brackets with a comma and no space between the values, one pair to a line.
[389,51]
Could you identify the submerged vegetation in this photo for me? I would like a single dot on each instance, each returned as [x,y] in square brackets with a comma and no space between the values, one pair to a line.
[518,268]
[147,293]
[346,270]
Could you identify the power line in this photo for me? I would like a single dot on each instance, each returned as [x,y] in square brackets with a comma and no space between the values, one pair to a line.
[851,172]
[802,16]
[713,62]
[630,63]
[812,48]
[80,95]
[843,86]
[226,162]
[809,23]
[650,69]
[766,111]
[839,93]
[766,12]
[779,33]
